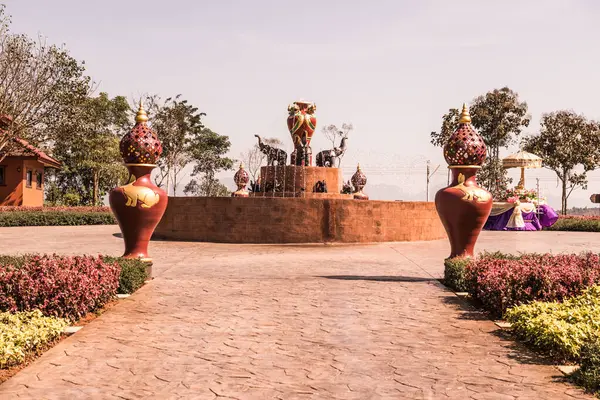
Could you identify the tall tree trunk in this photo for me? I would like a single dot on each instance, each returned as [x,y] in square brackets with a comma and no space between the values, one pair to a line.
[167,186]
[95,192]
[210,179]
[495,169]
[175,182]
[564,195]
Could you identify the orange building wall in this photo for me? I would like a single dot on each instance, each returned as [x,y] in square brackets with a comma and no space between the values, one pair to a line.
[15,192]
[11,194]
[32,196]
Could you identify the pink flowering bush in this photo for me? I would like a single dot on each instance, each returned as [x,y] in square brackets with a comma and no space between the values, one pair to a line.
[500,283]
[59,286]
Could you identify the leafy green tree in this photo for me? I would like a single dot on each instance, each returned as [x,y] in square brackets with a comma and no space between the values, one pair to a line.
[207,186]
[207,151]
[567,142]
[177,123]
[499,117]
[449,125]
[88,147]
[39,84]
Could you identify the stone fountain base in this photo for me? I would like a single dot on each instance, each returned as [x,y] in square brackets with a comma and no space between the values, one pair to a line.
[297,220]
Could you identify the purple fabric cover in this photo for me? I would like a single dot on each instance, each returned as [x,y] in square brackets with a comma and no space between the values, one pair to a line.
[544,218]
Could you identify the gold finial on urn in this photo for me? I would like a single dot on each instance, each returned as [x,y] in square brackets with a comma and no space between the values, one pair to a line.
[465,117]
[141,115]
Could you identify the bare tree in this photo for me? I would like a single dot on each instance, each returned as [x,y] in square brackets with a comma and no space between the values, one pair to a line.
[253,158]
[334,134]
[39,84]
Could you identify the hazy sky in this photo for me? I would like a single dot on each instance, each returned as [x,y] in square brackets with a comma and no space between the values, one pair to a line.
[392,68]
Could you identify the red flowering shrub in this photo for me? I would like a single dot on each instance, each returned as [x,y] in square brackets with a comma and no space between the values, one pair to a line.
[502,283]
[60,286]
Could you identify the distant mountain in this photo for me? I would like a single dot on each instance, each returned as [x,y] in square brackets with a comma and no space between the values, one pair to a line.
[584,211]
[384,191]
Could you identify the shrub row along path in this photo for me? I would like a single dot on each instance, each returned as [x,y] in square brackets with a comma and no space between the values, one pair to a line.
[288,322]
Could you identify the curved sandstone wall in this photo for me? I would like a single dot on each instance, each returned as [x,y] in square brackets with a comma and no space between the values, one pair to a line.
[297,220]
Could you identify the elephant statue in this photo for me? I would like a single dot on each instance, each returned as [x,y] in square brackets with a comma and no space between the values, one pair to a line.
[254,186]
[273,153]
[320,187]
[347,188]
[328,158]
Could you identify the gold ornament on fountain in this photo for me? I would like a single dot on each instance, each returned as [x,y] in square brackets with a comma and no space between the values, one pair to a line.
[141,115]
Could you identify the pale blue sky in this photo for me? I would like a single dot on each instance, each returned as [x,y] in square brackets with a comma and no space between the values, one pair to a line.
[392,68]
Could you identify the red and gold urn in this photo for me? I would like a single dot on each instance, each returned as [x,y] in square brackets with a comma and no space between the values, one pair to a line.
[359,181]
[140,204]
[463,206]
[301,123]
[241,179]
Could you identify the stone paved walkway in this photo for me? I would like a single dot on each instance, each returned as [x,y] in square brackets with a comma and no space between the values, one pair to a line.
[288,322]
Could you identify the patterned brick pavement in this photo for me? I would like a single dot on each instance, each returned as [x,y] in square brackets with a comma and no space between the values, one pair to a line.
[288,322]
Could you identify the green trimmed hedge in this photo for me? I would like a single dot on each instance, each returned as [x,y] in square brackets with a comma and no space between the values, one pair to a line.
[454,274]
[55,218]
[26,333]
[576,224]
[133,274]
[588,374]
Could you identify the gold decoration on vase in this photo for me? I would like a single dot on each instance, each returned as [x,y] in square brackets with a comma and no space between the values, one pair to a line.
[145,195]
[470,193]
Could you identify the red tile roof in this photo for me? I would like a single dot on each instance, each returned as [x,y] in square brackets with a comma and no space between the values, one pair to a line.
[23,147]
[34,151]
